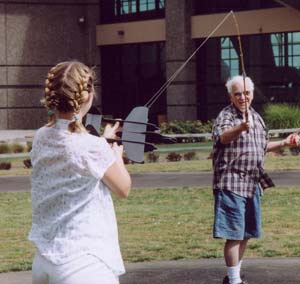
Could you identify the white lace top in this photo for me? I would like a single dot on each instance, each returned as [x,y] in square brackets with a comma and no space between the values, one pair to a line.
[72,210]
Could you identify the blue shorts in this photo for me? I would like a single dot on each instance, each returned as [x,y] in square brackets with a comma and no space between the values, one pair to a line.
[237,217]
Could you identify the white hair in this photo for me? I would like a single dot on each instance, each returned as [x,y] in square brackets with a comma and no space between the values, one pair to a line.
[239,79]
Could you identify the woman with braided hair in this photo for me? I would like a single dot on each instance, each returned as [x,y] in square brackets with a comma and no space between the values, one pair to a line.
[74,226]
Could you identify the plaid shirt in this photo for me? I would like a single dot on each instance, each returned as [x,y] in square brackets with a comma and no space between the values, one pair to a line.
[238,166]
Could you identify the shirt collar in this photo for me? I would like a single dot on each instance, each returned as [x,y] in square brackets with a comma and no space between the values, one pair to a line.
[62,123]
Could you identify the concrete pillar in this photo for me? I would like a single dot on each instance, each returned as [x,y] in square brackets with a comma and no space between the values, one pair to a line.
[92,15]
[181,94]
[3,70]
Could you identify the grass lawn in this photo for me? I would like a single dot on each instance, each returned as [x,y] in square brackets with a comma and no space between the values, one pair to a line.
[163,224]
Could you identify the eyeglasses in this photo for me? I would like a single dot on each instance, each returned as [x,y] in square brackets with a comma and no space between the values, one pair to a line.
[239,94]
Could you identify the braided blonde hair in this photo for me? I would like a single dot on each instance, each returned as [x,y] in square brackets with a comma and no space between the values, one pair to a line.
[67,86]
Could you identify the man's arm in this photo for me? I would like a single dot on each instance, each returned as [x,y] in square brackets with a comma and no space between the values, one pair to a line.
[233,133]
[291,140]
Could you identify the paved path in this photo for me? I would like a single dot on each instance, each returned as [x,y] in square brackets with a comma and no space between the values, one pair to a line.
[144,180]
[203,271]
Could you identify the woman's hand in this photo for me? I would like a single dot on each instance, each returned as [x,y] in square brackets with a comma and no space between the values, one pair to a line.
[110,132]
[118,150]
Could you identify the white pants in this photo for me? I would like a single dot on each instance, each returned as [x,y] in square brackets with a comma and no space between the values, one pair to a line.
[84,270]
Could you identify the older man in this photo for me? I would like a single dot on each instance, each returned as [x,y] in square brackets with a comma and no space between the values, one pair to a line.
[240,145]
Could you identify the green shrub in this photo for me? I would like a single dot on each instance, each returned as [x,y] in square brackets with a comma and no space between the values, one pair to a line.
[5,165]
[188,126]
[29,146]
[173,157]
[126,160]
[152,157]
[4,148]
[189,156]
[17,148]
[282,116]
[27,163]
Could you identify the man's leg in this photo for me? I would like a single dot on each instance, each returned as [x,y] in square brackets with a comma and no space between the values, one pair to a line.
[232,259]
[232,228]
[232,252]
[243,245]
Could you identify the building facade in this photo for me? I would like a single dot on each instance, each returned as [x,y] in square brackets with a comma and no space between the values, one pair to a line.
[35,35]
[137,45]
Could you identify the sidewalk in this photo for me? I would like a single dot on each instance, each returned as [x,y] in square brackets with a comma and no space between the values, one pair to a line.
[16,135]
[203,271]
[162,180]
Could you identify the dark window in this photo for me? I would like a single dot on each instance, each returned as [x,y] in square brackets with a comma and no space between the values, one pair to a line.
[229,59]
[112,11]
[278,46]
[127,7]
[131,74]
[221,6]
[147,5]
[286,49]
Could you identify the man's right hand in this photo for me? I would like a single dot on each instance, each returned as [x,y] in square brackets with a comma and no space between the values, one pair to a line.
[233,133]
[245,126]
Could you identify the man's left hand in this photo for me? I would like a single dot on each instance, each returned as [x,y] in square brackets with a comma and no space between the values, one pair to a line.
[292,140]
